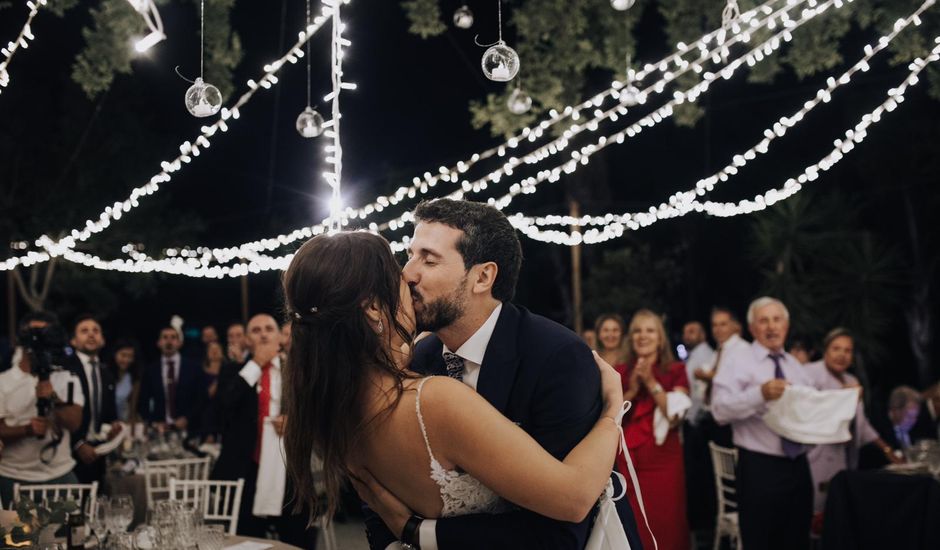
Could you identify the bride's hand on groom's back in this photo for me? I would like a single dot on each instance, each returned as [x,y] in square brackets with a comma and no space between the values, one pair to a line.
[392,511]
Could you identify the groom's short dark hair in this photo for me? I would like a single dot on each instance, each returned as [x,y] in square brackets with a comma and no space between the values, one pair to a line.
[487,237]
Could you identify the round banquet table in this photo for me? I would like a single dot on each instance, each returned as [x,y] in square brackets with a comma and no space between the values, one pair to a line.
[231,540]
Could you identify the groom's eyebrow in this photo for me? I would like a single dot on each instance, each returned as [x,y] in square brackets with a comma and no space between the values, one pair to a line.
[428,252]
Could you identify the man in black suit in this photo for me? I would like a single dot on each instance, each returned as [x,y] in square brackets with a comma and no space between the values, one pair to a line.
[172,388]
[100,407]
[463,264]
[248,394]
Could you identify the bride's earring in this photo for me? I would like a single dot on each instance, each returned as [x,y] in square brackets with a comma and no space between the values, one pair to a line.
[381,327]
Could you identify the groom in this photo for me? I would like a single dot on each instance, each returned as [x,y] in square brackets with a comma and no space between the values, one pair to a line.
[536,372]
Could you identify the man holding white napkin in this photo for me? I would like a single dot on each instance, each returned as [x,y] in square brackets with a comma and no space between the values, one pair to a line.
[775,492]
[249,402]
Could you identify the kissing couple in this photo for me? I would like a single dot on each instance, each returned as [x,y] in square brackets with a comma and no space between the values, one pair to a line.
[499,430]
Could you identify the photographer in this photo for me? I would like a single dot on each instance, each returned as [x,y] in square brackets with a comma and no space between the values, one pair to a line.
[39,405]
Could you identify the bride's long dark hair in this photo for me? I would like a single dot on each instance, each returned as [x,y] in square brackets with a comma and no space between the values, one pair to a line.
[334,350]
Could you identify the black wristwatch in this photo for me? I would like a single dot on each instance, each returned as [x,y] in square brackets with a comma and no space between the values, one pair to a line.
[409,535]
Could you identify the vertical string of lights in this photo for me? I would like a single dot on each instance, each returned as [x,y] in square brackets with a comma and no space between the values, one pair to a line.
[334,177]
[22,41]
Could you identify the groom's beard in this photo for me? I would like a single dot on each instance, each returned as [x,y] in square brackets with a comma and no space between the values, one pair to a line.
[440,313]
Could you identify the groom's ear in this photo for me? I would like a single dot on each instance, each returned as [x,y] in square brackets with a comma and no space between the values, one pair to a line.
[484,277]
[372,310]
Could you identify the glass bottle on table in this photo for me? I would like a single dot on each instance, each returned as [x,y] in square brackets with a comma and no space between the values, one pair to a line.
[75,536]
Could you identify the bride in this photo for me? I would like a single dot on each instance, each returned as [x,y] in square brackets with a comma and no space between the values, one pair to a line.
[432,442]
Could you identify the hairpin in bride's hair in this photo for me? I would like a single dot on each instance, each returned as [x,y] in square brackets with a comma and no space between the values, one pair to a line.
[299,316]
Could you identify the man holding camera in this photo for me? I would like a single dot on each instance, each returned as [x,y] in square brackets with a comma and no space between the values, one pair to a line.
[39,405]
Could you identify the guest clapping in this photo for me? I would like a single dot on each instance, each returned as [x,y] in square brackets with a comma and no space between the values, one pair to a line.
[649,374]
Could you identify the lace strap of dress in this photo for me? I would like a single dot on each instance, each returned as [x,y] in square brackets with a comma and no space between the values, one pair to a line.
[424,430]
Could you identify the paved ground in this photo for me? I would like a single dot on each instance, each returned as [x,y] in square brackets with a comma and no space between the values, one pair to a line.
[349,536]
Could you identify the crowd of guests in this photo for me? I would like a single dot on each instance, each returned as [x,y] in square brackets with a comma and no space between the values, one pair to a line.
[52,420]
[720,395]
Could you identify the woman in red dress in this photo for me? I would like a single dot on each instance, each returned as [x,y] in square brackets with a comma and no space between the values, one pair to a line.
[650,373]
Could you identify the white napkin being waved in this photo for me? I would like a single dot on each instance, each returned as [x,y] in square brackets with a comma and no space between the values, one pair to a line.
[677,403]
[272,474]
[811,416]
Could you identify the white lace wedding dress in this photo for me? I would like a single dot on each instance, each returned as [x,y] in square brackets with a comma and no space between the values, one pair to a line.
[463,494]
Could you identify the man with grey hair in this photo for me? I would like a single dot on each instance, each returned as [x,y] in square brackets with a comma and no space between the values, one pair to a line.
[775,490]
[903,410]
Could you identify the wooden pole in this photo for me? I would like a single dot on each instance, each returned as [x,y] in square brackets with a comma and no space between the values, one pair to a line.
[244,298]
[576,274]
[11,308]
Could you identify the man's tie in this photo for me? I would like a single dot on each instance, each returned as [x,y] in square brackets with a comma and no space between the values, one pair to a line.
[454,364]
[790,448]
[264,407]
[171,389]
[708,385]
[95,395]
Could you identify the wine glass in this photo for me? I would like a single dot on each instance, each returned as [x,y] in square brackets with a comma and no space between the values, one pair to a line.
[122,508]
[98,518]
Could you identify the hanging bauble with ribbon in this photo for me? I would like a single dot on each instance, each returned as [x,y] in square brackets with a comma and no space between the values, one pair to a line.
[309,123]
[463,17]
[203,99]
[519,102]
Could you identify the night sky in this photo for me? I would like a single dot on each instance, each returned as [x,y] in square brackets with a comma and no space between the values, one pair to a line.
[410,115]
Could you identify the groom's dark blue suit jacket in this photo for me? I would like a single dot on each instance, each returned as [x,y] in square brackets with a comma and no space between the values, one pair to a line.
[542,376]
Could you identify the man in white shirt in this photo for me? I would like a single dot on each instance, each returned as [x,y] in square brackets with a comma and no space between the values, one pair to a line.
[701,355]
[36,449]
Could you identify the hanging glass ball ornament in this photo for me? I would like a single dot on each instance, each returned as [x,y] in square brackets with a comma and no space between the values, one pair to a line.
[500,62]
[622,5]
[519,102]
[309,123]
[203,99]
[463,17]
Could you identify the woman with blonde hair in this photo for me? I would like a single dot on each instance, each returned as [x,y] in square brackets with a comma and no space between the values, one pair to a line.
[650,372]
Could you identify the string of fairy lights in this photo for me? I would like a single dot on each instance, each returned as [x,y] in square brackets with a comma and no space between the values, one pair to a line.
[188,150]
[21,41]
[247,251]
[713,47]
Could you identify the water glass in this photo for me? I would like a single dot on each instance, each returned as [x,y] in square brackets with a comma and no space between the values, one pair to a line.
[210,537]
[122,510]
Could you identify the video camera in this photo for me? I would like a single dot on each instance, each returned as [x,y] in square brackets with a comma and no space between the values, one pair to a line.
[46,348]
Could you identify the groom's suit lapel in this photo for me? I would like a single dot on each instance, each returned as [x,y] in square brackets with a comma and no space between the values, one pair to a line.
[501,360]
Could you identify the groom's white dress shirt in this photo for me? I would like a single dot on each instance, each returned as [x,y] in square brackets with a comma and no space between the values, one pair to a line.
[472,352]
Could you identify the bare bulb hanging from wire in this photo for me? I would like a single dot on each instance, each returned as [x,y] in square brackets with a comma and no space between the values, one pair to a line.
[500,63]
[309,122]
[463,17]
[202,99]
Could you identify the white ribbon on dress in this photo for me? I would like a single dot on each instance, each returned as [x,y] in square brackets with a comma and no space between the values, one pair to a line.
[608,532]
